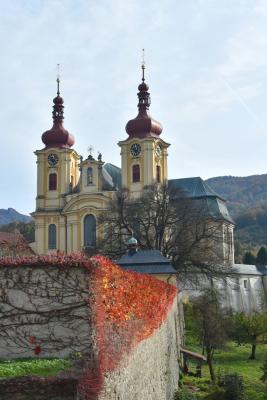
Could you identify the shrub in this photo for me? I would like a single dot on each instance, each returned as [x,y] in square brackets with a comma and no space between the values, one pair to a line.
[264,370]
[234,387]
[184,394]
[217,393]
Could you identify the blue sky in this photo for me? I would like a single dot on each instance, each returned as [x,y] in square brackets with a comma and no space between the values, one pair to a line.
[206,67]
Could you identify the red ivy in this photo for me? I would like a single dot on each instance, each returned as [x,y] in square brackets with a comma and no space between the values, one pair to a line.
[37,350]
[127,308]
[32,339]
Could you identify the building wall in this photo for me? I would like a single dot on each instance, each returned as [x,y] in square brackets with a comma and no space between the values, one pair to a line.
[240,292]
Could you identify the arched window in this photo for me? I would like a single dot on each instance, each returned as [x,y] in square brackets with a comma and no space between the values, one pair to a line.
[158,173]
[89,176]
[52,237]
[53,181]
[89,231]
[136,173]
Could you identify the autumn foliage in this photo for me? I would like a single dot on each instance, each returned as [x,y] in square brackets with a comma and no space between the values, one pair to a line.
[127,308]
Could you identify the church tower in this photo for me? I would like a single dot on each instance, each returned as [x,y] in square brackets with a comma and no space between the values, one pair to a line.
[57,174]
[143,153]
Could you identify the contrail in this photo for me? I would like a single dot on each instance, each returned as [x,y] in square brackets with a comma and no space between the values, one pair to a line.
[243,103]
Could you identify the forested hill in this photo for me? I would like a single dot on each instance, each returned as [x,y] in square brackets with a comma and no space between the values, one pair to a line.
[241,193]
[247,202]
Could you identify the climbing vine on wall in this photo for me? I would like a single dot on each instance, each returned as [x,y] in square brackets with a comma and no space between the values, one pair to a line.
[126,308]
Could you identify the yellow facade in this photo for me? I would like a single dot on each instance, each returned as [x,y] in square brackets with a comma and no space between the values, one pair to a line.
[148,160]
[67,209]
[72,192]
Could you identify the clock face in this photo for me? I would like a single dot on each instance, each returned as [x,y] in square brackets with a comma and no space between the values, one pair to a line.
[52,159]
[158,150]
[135,149]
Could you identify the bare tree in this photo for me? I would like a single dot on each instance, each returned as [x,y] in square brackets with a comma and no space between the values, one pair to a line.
[165,219]
[13,244]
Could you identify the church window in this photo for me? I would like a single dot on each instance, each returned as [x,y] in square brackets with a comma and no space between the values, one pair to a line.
[89,176]
[52,237]
[158,173]
[53,181]
[89,231]
[245,284]
[136,173]
[71,183]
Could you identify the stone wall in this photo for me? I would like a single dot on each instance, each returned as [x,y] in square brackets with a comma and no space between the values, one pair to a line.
[44,311]
[151,371]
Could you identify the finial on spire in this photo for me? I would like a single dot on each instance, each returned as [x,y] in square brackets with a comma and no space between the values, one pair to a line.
[143,95]
[90,150]
[58,79]
[143,65]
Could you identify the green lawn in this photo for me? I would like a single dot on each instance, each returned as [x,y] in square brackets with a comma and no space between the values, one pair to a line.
[234,359]
[40,367]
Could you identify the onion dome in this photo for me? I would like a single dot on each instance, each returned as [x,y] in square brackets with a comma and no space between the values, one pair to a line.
[132,241]
[132,246]
[58,136]
[143,125]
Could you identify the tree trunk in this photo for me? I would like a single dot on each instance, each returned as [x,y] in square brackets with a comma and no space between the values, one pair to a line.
[210,364]
[253,352]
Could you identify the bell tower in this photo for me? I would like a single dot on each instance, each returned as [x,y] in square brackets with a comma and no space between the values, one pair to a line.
[143,153]
[57,174]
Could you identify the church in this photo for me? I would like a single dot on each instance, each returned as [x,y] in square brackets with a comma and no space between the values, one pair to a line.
[72,191]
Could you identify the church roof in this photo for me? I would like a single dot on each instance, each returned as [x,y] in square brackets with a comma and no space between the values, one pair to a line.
[213,207]
[14,243]
[58,136]
[212,204]
[143,125]
[193,187]
[246,269]
[114,174]
[146,262]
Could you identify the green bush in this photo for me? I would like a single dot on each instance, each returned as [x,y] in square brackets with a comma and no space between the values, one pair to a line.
[234,387]
[264,370]
[217,393]
[184,394]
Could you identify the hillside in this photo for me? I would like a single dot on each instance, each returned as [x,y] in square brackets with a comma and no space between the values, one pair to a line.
[241,193]
[247,202]
[10,215]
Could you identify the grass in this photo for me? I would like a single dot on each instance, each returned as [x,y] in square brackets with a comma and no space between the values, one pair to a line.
[40,367]
[233,359]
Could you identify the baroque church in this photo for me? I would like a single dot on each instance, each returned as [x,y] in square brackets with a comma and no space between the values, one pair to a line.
[73,191]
